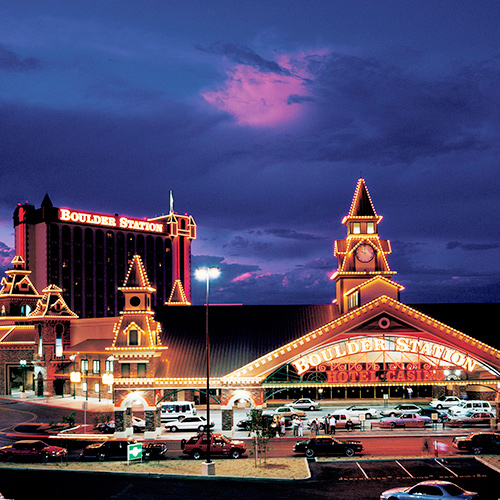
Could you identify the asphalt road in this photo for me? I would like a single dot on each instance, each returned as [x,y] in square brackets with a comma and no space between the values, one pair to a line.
[336,480]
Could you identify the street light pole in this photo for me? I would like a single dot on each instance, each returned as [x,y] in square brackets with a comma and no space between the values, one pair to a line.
[204,274]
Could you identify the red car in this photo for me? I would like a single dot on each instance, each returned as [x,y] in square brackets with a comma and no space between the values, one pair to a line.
[32,450]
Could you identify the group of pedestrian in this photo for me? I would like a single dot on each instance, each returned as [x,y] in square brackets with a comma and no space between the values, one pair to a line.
[298,426]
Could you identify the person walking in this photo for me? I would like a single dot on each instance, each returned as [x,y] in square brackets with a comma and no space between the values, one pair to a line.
[300,427]
[333,423]
[314,427]
[326,423]
[282,426]
[295,425]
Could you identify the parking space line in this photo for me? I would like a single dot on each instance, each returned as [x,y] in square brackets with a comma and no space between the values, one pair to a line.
[405,469]
[444,466]
[362,470]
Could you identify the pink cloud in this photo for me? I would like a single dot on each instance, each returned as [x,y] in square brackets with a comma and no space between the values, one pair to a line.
[261,98]
[242,277]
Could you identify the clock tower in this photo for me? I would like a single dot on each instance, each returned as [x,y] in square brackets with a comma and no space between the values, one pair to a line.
[362,255]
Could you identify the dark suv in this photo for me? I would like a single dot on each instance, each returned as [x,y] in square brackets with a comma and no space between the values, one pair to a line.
[116,449]
[327,445]
[478,442]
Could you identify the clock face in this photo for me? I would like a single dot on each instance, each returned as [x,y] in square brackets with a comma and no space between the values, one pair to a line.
[365,253]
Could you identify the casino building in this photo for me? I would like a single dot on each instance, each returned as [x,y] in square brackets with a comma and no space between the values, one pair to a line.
[87,254]
[367,344]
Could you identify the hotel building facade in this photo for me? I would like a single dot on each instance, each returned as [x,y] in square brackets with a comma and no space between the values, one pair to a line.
[87,254]
[366,344]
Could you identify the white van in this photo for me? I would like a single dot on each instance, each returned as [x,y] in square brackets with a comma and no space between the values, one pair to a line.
[172,410]
[470,405]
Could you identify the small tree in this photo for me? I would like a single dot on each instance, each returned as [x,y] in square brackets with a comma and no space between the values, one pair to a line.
[262,429]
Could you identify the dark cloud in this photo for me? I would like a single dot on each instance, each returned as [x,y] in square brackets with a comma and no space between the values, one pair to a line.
[10,61]
[240,54]
[291,234]
[472,246]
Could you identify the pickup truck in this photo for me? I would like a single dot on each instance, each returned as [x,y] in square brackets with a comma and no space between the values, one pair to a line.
[196,447]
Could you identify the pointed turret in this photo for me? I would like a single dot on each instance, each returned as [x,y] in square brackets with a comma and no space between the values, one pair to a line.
[362,254]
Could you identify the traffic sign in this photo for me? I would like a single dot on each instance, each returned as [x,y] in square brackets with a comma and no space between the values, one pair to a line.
[134,452]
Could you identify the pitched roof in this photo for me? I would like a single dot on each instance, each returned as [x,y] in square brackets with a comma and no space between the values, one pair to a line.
[238,334]
[242,334]
[362,205]
[137,276]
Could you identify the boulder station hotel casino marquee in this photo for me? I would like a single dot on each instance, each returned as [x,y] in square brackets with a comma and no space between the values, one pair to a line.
[365,344]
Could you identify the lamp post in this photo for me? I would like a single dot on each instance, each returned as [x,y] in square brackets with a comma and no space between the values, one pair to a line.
[205,274]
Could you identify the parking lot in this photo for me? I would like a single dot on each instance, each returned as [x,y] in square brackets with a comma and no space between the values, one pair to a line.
[419,470]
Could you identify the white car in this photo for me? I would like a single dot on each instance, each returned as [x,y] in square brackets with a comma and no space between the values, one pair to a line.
[429,489]
[288,411]
[194,423]
[304,404]
[357,410]
[445,402]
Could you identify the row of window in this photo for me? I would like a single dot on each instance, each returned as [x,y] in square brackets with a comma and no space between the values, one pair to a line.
[96,366]
[125,368]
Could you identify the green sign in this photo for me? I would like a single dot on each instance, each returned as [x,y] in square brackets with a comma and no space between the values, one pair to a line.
[134,451]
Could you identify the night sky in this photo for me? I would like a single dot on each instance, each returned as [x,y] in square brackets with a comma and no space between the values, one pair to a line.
[260,116]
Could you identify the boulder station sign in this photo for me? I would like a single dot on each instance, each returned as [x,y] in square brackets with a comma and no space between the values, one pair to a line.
[425,349]
[67,215]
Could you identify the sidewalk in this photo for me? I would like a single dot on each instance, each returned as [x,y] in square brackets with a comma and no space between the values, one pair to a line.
[70,402]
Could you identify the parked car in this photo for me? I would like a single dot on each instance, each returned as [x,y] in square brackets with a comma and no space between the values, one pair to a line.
[194,423]
[138,425]
[478,442]
[116,449]
[471,419]
[327,445]
[340,419]
[196,447]
[304,404]
[399,409]
[405,420]
[356,411]
[32,450]
[442,416]
[445,402]
[471,405]
[267,420]
[429,489]
[287,411]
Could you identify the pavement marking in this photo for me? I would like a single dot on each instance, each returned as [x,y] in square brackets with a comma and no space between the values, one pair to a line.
[362,470]
[444,466]
[399,463]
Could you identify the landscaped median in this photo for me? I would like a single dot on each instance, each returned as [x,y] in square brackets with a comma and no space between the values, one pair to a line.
[272,468]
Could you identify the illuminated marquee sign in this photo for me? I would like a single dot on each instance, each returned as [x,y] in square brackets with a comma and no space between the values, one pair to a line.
[67,215]
[375,344]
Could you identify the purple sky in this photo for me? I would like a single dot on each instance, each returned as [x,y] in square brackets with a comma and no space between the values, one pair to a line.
[260,117]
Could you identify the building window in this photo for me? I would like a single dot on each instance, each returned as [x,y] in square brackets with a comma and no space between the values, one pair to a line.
[40,341]
[96,366]
[141,369]
[126,370]
[133,337]
[59,340]
[97,388]
[354,300]
[109,366]
[84,365]
[370,227]
[84,386]
[25,310]
[356,227]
